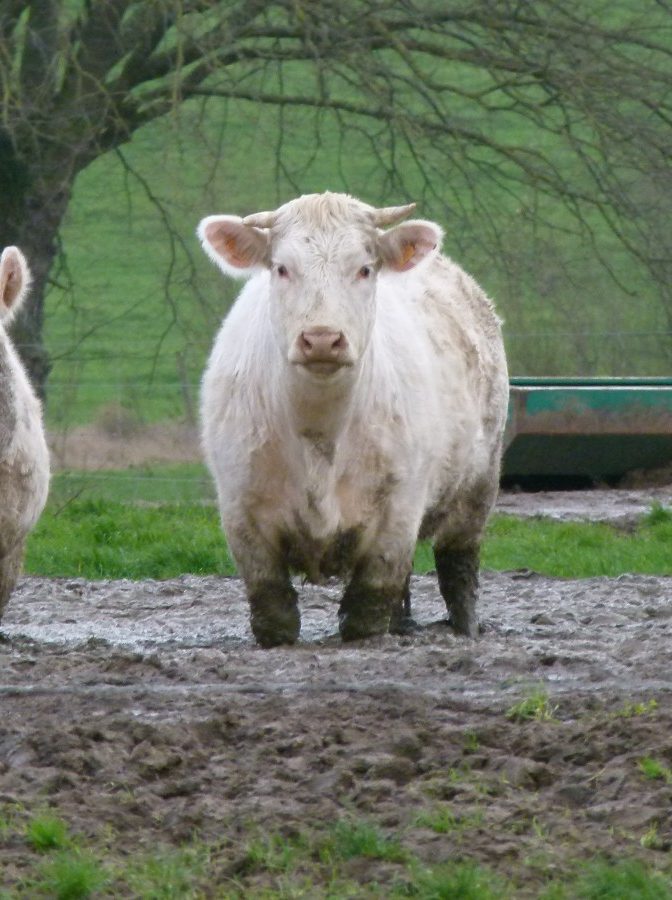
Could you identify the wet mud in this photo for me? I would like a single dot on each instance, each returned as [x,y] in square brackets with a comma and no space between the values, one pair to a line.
[144,710]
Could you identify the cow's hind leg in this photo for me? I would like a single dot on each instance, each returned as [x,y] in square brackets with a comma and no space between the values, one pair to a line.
[401,620]
[457,569]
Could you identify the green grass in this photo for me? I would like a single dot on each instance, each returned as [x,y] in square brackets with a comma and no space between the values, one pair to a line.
[578,549]
[459,881]
[112,525]
[272,853]
[70,875]
[182,483]
[108,539]
[626,880]
[632,709]
[338,860]
[47,832]
[168,874]
[351,839]
[442,820]
[654,770]
[535,707]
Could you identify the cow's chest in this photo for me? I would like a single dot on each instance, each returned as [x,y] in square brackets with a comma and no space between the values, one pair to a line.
[322,515]
[325,526]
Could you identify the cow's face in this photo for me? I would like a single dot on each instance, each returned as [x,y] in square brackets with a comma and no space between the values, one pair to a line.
[323,295]
[324,254]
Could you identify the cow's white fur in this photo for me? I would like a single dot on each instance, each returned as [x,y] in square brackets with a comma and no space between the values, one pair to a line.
[24,458]
[409,431]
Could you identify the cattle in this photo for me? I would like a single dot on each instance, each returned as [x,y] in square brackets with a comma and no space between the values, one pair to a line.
[354,401]
[24,458]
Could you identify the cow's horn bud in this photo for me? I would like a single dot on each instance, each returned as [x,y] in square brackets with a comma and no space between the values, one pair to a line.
[260,220]
[389,215]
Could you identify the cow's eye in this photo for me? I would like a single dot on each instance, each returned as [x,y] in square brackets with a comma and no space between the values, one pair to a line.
[282,271]
[365,272]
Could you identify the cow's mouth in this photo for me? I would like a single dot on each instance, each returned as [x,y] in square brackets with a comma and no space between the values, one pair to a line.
[324,368]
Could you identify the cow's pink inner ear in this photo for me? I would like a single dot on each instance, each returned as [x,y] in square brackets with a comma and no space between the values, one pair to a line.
[405,246]
[240,245]
[10,281]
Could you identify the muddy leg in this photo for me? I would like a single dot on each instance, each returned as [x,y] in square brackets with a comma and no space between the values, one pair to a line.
[365,611]
[401,620]
[274,613]
[370,603]
[10,569]
[378,590]
[457,569]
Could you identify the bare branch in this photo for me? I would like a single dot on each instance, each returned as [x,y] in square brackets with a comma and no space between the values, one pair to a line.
[531,108]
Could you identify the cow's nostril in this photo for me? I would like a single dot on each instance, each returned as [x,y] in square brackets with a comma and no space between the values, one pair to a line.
[305,343]
[322,344]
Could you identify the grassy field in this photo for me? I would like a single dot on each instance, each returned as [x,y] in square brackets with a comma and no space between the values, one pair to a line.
[161,522]
[133,311]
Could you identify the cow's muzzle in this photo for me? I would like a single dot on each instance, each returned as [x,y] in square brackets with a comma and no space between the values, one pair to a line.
[322,351]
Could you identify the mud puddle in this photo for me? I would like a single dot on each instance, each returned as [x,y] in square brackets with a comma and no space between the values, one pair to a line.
[622,508]
[591,635]
[144,711]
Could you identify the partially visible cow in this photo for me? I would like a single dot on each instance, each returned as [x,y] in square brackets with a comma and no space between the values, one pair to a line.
[24,458]
[354,400]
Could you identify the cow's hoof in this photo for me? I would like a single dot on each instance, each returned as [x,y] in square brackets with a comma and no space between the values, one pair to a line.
[274,631]
[465,626]
[274,615]
[354,625]
[404,625]
[276,627]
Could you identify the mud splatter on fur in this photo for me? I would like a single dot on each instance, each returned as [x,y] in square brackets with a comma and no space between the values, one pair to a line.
[337,469]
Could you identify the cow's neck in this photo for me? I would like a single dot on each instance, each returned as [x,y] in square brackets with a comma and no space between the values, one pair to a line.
[319,412]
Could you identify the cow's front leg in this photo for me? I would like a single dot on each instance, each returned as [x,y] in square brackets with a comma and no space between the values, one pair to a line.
[376,598]
[274,610]
[10,569]
[457,570]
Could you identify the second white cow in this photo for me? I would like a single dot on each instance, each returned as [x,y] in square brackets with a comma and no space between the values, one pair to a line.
[24,458]
[354,400]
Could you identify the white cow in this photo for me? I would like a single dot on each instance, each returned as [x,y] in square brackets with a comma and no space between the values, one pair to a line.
[354,400]
[24,458]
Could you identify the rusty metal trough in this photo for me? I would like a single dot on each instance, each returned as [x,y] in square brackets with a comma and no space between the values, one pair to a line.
[594,428]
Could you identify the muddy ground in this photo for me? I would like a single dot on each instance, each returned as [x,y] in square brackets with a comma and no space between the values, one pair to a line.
[143,714]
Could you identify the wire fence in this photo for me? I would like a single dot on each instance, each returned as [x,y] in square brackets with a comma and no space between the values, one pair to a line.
[124,433]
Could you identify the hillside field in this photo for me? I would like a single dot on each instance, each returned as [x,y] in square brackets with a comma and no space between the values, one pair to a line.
[135,303]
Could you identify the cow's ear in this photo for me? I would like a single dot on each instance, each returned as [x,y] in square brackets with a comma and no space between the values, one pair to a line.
[14,280]
[236,248]
[403,247]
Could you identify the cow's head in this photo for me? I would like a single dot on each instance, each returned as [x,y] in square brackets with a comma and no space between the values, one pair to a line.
[325,253]
[14,282]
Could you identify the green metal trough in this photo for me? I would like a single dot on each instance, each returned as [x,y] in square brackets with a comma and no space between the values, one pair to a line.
[592,428]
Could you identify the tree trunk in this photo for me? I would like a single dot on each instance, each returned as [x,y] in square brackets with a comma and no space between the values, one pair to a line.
[31,216]
[38,238]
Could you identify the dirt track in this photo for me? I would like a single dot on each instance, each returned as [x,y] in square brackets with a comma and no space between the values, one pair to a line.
[144,708]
